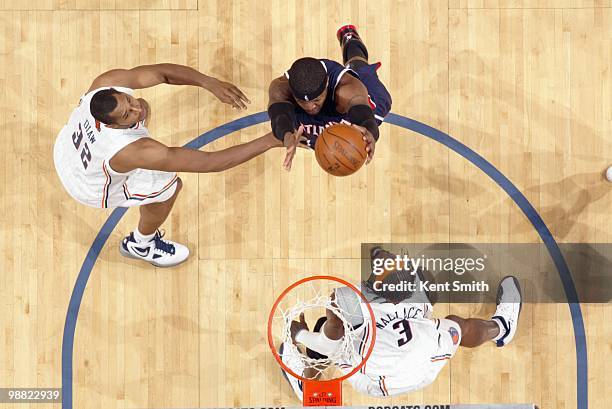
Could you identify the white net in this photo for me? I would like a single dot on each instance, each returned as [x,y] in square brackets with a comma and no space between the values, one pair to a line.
[313,298]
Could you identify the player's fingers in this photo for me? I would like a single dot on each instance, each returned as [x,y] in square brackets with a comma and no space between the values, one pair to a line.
[240,94]
[361,129]
[236,98]
[233,100]
[239,103]
[229,101]
[296,137]
[370,154]
[302,318]
[289,158]
[300,131]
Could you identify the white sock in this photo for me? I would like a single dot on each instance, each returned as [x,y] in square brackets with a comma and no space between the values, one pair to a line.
[142,237]
[502,329]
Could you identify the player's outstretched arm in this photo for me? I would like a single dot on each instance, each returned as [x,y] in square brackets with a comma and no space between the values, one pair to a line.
[325,342]
[321,342]
[146,76]
[352,98]
[281,111]
[147,153]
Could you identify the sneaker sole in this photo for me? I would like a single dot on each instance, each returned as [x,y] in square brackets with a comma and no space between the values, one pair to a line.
[500,293]
[518,287]
[127,254]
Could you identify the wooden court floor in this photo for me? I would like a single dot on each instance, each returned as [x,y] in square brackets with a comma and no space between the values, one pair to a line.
[526,84]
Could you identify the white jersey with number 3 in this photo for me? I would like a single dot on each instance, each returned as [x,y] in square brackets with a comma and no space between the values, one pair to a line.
[410,348]
[82,153]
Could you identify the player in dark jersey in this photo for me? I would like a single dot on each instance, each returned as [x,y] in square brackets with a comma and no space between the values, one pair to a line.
[316,93]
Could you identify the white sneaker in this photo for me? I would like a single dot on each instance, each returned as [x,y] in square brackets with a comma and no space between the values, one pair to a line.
[157,251]
[609,174]
[509,303]
[290,357]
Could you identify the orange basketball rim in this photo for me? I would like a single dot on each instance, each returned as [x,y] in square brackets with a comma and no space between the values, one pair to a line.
[321,392]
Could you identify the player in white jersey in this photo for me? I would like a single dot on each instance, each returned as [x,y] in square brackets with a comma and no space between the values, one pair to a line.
[105,157]
[411,347]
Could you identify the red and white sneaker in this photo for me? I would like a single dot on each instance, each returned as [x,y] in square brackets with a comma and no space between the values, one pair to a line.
[347,32]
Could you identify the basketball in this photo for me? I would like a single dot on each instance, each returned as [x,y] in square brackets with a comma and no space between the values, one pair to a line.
[341,150]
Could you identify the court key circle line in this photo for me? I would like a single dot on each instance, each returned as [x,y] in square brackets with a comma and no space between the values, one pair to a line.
[398,120]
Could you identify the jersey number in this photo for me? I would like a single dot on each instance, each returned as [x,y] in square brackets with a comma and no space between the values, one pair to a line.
[404,330]
[77,137]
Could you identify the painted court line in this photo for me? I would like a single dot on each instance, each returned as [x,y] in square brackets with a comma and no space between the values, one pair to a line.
[398,120]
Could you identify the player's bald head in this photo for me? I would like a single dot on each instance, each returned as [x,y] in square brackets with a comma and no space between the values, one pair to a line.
[103,103]
[118,109]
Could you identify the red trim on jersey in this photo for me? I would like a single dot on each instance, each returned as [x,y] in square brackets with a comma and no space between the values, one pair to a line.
[106,186]
[372,104]
[137,196]
[440,357]
[362,347]
[384,386]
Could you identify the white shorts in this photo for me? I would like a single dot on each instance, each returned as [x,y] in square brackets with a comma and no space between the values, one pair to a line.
[111,189]
[404,381]
[145,186]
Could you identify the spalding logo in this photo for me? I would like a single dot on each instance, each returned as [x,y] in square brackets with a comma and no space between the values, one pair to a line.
[345,154]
